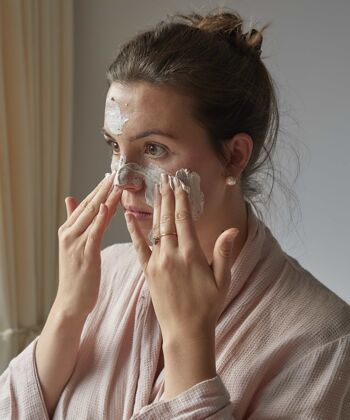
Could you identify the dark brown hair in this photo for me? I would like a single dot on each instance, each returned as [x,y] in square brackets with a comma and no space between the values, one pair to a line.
[212,60]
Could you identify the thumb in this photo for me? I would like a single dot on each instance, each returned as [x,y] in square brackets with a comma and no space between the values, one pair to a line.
[222,257]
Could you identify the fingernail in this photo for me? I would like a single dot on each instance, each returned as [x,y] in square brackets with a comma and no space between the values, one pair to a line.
[163,178]
[155,190]
[171,182]
[176,182]
[233,235]
[184,187]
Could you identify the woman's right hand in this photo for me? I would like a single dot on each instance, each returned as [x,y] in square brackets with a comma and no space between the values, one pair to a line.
[80,240]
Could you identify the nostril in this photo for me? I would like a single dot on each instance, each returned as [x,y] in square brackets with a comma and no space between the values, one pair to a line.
[131,186]
[129,178]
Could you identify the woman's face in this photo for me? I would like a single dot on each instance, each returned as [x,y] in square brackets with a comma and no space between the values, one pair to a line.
[153,127]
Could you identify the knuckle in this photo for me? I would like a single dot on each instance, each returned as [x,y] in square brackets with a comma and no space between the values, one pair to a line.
[188,255]
[65,237]
[93,235]
[182,215]
[224,252]
[138,247]
[60,231]
[91,207]
[165,218]
[166,261]
[84,203]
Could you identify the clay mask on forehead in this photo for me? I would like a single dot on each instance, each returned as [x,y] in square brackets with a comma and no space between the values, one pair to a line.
[132,173]
[114,117]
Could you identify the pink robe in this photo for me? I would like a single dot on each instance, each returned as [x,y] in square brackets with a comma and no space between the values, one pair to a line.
[282,348]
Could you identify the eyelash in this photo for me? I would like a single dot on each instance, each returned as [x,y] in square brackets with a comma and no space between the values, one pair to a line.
[113,144]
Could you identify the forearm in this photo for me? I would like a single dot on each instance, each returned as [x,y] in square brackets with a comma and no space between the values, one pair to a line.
[187,362]
[56,354]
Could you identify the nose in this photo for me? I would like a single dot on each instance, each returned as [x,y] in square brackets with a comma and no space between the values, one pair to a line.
[128,179]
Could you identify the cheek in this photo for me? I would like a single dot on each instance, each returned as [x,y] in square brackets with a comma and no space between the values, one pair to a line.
[212,186]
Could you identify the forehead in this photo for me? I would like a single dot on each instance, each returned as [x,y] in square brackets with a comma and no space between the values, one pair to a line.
[151,104]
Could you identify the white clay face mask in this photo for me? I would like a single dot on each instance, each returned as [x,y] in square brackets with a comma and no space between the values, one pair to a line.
[134,174]
[114,117]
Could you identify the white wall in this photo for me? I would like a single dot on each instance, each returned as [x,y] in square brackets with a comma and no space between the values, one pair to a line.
[307,50]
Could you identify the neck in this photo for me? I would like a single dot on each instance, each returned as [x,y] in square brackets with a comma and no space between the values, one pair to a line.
[208,233]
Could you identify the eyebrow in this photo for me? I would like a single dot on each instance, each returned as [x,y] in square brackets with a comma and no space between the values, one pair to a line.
[150,132]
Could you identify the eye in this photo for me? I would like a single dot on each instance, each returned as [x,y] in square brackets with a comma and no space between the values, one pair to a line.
[114,145]
[155,149]
[115,148]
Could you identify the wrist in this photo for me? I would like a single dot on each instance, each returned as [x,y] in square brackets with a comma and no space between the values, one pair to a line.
[66,312]
[64,319]
[172,342]
[187,361]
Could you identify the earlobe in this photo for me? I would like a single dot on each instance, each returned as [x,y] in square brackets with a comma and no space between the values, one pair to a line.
[231,180]
[240,149]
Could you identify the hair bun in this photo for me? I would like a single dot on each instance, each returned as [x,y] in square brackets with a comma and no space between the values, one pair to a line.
[254,40]
[228,26]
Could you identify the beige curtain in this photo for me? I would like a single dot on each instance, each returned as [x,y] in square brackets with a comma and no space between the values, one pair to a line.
[36,62]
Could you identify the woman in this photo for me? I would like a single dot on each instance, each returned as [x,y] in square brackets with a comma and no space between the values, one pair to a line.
[203,315]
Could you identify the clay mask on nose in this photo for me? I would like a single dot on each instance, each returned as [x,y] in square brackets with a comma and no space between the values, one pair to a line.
[132,173]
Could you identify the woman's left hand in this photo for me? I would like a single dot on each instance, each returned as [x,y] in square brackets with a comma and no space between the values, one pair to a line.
[187,293]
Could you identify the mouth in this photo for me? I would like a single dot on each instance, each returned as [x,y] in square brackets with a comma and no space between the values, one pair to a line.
[137,212]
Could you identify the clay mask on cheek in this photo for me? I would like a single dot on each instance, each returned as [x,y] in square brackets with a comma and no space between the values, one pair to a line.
[132,173]
[114,118]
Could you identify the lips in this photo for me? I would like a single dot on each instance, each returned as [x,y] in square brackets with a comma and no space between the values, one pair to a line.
[135,209]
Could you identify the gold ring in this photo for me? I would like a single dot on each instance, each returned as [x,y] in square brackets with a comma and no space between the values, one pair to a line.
[168,233]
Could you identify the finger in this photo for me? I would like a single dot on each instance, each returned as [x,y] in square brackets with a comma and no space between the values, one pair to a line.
[222,253]
[186,231]
[94,239]
[71,205]
[156,211]
[112,202]
[167,213]
[76,213]
[89,212]
[138,240]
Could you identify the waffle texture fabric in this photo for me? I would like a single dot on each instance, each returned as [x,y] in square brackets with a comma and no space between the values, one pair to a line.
[282,348]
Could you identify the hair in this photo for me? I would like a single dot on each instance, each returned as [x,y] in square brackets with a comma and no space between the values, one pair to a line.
[212,60]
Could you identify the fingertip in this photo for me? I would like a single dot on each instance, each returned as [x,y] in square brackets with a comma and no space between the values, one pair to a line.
[234,232]
[128,218]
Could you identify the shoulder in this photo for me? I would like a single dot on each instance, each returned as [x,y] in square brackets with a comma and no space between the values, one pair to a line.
[307,308]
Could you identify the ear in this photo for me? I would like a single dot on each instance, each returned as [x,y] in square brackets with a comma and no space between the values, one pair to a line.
[239,150]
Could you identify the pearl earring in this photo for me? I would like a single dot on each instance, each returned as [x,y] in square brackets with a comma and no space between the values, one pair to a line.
[231,180]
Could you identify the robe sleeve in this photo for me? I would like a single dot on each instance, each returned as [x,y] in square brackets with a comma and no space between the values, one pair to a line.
[21,395]
[206,400]
[315,387]
[20,392]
